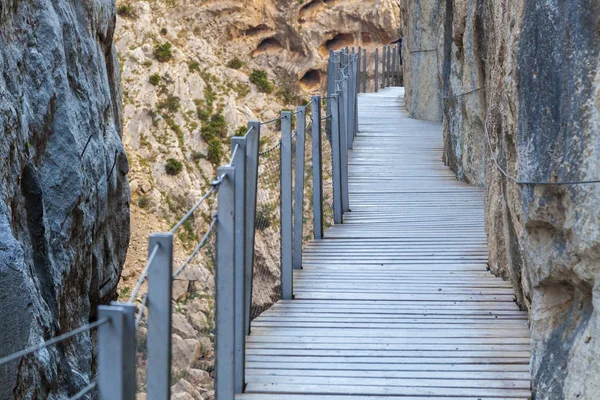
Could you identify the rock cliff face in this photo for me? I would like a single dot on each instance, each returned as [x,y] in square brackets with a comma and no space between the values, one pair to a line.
[64,196]
[186,102]
[529,73]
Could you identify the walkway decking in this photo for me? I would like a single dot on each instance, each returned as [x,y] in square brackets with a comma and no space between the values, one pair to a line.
[397,301]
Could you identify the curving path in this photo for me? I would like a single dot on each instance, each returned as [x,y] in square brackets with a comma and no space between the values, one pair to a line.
[397,302]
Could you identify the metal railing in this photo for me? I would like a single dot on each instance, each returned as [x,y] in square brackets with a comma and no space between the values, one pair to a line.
[238,224]
[301,157]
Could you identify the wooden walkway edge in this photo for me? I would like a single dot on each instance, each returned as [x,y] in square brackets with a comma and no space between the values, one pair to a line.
[396,302]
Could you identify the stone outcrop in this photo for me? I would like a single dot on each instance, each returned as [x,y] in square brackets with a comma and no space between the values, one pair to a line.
[528,74]
[421,21]
[64,196]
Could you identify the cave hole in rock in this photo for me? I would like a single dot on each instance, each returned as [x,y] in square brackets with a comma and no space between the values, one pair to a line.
[268,45]
[337,42]
[258,30]
[366,37]
[309,10]
[311,79]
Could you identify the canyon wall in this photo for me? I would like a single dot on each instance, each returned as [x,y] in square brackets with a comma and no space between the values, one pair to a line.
[527,75]
[64,196]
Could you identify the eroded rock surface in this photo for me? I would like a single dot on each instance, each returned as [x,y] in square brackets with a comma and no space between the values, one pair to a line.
[539,65]
[64,196]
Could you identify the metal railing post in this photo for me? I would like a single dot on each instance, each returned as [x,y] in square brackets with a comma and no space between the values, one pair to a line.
[299,186]
[159,317]
[116,352]
[376,87]
[383,68]
[365,72]
[358,67]
[351,101]
[251,178]
[343,107]
[286,206]
[355,103]
[317,165]
[225,287]
[336,158]
[389,59]
[238,160]
[393,67]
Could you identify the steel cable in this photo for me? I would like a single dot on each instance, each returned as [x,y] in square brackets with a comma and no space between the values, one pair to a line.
[85,390]
[519,182]
[198,247]
[144,274]
[53,341]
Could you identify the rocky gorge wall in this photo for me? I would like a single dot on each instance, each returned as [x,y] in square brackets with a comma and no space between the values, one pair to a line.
[64,196]
[528,74]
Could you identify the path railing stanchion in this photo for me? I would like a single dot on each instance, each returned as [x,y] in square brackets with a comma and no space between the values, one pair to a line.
[343,118]
[159,317]
[389,67]
[356,88]
[336,158]
[365,70]
[286,206]
[251,178]
[358,69]
[299,186]
[376,87]
[116,352]
[383,67]
[317,167]
[393,66]
[238,160]
[225,287]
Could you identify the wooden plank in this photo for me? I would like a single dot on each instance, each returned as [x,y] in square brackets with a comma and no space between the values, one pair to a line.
[280,396]
[392,382]
[378,390]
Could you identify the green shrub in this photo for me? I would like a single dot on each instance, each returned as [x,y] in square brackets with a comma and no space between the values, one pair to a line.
[163,31]
[154,79]
[194,66]
[241,89]
[214,128]
[261,80]
[203,114]
[173,166]
[163,52]
[209,95]
[219,125]
[126,11]
[147,63]
[235,63]
[241,131]
[143,202]
[170,104]
[215,152]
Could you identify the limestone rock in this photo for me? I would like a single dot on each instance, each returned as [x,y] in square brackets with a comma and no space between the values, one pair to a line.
[199,322]
[540,66]
[183,387]
[182,327]
[185,352]
[64,197]
[420,24]
[198,306]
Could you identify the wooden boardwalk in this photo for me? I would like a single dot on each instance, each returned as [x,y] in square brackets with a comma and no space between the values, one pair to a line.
[397,302]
